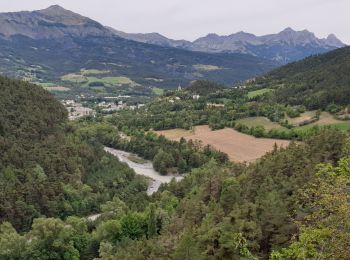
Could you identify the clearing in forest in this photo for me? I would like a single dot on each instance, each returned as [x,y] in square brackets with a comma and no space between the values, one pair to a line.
[259,121]
[256,93]
[239,147]
[325,119]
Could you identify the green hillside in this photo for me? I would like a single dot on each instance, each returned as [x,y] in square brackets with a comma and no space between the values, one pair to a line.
[315,82]
[46,167]
[53,174]
[127,67]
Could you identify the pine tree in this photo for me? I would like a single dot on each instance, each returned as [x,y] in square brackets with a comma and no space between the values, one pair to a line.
[152,222]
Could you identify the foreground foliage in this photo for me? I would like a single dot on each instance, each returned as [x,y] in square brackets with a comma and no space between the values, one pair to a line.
[47,168]
[291,204]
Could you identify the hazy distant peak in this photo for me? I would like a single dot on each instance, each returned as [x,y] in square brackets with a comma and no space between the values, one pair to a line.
[151,38]
[242,36]
[59,14]
[288,30]
[212,35]
[54,8]
[52,22]
[332,40]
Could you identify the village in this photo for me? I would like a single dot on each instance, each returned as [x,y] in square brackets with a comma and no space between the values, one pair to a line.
[79,109]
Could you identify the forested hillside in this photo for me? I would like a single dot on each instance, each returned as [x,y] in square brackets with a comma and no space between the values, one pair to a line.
[315,82]
[291,204]
[46,168]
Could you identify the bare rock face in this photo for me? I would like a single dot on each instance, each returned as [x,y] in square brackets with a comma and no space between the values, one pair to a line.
[332,40]
[53,22]
[285,46]
[56,22]
[152,38]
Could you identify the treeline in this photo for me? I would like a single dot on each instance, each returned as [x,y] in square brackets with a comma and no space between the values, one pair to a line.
[166,155]
[187,113]
[253,212]
[286,134]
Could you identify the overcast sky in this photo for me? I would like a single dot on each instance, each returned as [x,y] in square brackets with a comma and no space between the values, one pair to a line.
[190,19]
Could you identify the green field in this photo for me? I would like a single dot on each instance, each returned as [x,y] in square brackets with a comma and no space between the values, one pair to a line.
[75,78]
[325,119]
[205,67]
[111,81]
[256,93]
[57,89]
[158,91]
[45,84]
[85,81]
[343,126]
[87,72]
[259,121]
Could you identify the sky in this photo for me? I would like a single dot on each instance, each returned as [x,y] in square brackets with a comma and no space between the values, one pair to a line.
[190,19]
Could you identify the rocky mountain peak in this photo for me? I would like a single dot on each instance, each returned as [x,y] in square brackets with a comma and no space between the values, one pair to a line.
[288,30]
[212,35]
[55,8]
[59,14]
[332,40]
[52,22]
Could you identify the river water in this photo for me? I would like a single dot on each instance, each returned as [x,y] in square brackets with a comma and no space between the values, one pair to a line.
[145,169]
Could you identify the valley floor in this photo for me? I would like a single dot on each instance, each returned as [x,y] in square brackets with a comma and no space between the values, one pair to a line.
[146,169]
[239,147]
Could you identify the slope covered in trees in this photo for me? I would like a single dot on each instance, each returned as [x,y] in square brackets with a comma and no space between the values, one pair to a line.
[266,209]
[315,82]
[46,168]
[291,204]
[204,87]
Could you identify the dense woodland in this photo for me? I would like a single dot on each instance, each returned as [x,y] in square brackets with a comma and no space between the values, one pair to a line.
[315,82]
[47,168]
[291,204]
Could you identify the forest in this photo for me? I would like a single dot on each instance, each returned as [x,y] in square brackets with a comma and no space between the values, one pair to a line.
[315,82]
[293,203]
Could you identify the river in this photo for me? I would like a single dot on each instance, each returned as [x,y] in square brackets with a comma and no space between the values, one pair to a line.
[145,169]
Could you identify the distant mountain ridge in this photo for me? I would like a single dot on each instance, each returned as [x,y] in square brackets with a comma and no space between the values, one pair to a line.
[45,46]
[56,22]
[285,46]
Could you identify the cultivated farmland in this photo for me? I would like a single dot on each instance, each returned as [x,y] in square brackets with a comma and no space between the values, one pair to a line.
[239,147]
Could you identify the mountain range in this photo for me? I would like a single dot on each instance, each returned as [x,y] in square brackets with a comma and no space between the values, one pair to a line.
[285,46]
[54,47]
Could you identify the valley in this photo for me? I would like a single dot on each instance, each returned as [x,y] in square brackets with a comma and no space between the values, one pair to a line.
[118,145]
[100,62]
[144,169]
